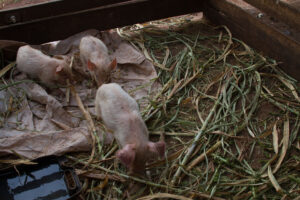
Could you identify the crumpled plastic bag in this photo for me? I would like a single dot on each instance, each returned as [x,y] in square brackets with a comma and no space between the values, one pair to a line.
[45,122]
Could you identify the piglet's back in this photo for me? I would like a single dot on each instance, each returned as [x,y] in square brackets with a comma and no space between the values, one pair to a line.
[49,70]
[93,43]
[115,99]
[92,48]
[31,61]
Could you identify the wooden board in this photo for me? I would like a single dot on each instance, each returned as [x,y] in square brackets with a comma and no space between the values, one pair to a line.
[263,36]
[285,11]
[48,9]
[36,30]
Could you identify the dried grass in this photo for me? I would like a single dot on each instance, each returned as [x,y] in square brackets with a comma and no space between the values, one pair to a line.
[223,142]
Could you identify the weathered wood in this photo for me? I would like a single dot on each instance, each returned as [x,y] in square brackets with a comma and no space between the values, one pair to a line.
[48,9]
[58,20]
[105,17]
[255,32]
[280,10]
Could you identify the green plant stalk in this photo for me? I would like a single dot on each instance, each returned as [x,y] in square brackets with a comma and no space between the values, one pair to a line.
[194,143]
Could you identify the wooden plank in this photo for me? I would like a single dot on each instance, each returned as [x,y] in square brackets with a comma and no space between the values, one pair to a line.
[257,33]
[104,17]
[279,10]
[294,3]
[48,9]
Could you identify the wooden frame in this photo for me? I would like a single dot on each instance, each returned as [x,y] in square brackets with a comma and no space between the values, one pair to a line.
[274,39]
[284,12]
[108,14]
[279,39]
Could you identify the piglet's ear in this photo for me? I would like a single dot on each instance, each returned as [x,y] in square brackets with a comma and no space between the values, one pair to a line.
[126,155]
[91,65]
[59,68]
[157,148]
[113,65]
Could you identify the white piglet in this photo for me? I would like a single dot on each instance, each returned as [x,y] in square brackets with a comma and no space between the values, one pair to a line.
[49,70]
[120,113]
[94,55]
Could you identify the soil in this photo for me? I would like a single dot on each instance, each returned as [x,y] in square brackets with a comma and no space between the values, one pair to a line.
[9,4]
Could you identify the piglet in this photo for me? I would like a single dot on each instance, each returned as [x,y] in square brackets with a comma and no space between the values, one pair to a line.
[120,113]
[49,70]
[94,55]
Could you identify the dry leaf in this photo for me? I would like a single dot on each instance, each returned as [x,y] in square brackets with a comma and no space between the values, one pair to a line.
[6,69]
[166,57]
[250,132]
[275,138]
[290,86]
[285,140]
[102,185]
[98,175]
[176,86]
[163,195]
[273,180]
[18,162]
